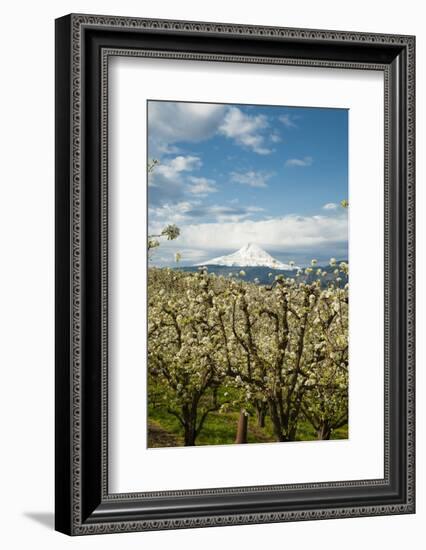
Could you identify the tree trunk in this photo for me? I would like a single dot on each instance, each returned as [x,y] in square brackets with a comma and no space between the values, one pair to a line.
[242,428]
[261,419]
[261,414]
[189,434]
[276,422]
[324,432]
[292,434]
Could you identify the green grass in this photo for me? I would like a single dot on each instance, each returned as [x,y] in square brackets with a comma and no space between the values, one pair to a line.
[220,428]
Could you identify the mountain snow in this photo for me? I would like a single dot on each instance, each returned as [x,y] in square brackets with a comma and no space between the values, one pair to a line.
[249,255]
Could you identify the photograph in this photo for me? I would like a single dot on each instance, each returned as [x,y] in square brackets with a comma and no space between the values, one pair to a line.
[248,274]
[234,274]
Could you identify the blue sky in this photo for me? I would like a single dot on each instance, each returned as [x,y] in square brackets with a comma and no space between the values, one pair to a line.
[232,174]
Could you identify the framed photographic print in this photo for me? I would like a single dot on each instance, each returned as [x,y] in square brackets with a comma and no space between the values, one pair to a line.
[234,274]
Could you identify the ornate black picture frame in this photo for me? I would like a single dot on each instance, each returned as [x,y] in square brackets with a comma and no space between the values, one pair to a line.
[84,44]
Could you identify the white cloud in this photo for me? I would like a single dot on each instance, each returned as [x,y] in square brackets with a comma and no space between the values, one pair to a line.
[290,233]
[168,213]
[169,170]
[166,182]
[330,206]
[172,167]
[287,237]
[251,178]
[245,130]
[287,120]
[170,121]
[202,186]
[306,161]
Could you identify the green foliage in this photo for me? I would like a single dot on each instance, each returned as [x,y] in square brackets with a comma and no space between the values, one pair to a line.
[220,429]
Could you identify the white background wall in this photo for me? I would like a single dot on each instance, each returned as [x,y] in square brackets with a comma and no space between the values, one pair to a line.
[27,261]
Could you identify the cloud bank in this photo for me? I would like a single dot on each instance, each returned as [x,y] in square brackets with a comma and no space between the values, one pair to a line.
[287,236]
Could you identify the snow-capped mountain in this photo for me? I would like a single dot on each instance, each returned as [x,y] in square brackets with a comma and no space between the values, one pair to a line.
[249,255]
